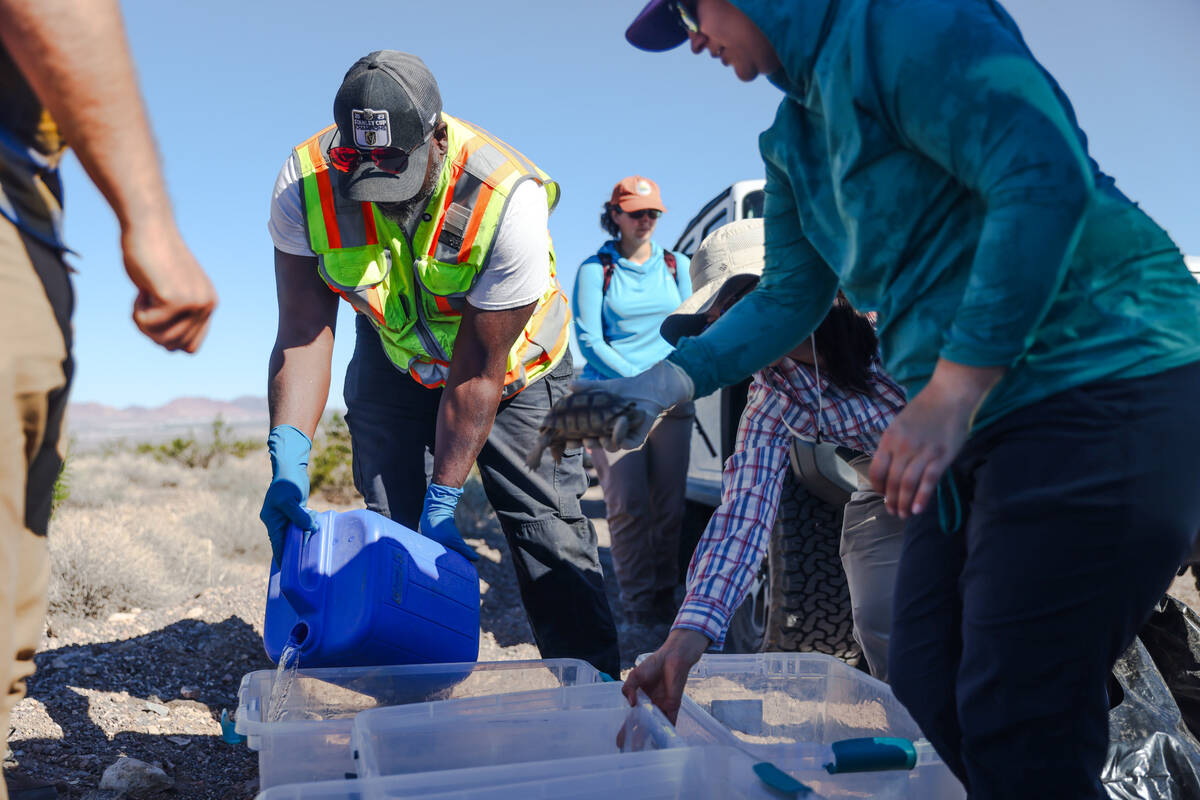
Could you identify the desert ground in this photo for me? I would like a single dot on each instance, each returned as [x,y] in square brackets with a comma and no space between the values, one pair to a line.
[156,612]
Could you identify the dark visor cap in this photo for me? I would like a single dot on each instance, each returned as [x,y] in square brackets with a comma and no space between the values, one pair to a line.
[657,28]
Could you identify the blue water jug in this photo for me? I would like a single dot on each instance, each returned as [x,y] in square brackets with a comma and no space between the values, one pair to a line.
[363,590]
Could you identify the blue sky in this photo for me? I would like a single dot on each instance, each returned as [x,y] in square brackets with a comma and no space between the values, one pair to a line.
[232,86]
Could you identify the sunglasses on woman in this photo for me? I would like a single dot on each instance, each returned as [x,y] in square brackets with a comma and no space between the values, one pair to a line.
[389,159]
[652,213]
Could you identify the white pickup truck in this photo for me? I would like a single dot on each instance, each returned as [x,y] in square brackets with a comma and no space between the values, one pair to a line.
[799,600]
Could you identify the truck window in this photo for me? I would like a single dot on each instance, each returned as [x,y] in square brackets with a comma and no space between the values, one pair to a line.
[715,222]
[752,204]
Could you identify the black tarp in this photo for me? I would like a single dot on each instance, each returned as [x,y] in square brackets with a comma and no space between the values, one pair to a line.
[1152,754]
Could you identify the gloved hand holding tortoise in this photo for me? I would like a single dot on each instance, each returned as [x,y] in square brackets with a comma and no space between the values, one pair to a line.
[616,414]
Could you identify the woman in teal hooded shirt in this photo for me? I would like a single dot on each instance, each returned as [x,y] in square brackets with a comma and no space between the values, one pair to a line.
[1045,329]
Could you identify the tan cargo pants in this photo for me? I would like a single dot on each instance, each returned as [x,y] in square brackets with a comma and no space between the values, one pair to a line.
[870,551]
[35,373]
[644,502]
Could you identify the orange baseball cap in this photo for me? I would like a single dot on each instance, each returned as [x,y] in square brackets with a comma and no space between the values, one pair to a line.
[635,193]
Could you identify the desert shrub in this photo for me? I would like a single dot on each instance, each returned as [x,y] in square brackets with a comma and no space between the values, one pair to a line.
[139,533]
[98,481]
[155,525]
[110,447]
[178,449]
[201,454]
[105,560]
[330,467]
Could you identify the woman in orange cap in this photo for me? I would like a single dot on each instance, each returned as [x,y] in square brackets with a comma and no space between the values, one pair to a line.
[622,294]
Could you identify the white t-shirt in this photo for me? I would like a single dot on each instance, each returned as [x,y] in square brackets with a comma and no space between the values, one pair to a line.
[517,274]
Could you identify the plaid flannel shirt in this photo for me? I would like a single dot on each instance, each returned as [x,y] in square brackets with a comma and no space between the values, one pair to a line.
[781,403]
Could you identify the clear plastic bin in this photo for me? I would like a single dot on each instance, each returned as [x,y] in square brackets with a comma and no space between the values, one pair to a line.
[696,773]
[777,703]
[312,740]
[528,726]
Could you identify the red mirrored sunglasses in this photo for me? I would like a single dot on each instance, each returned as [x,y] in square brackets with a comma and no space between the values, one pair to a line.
[389,159]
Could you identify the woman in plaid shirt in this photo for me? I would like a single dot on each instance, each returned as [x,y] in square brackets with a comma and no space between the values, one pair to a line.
[831,388]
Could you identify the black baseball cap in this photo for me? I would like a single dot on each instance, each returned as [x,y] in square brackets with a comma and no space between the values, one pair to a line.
[387,99]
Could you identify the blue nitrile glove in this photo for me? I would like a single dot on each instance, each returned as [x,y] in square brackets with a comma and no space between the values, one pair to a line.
[288,492]
[437,520]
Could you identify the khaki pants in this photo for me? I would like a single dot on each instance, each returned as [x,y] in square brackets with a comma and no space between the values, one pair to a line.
[35,373]
[644,501]
[870,551]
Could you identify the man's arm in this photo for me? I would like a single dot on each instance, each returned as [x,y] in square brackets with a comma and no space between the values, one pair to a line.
[472,392]
[298,378]
[75,56]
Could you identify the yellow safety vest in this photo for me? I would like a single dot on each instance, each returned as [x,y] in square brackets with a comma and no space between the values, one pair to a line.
[406,288]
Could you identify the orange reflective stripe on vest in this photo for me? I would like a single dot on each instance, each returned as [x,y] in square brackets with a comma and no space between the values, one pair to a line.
[410,282]
[325,188]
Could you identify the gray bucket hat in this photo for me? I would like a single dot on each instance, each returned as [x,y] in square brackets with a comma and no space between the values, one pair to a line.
[728,263]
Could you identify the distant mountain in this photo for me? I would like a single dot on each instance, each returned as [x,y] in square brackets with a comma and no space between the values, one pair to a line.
[96,421]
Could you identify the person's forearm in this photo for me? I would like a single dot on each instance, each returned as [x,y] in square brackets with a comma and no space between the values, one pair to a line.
[757,331]
[75,56]
[603,357]
[298,383]
[465,418]
[961,389]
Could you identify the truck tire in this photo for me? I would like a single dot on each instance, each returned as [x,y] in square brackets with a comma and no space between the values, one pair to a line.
[800,601]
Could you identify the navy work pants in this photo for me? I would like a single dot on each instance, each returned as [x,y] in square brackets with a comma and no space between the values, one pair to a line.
[1076,513]
[392,420]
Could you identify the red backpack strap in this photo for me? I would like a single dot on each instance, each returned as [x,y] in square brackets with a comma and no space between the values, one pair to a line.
[606,261]
[669,257]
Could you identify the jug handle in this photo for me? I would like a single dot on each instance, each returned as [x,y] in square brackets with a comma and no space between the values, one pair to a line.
[302,599]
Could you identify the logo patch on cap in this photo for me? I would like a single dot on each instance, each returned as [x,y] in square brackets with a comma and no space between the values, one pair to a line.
[643,187]
[371,128]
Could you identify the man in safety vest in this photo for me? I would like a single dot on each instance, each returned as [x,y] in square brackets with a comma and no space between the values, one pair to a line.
[436,232]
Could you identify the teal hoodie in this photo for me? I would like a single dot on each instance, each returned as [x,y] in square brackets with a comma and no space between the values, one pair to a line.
[923,161]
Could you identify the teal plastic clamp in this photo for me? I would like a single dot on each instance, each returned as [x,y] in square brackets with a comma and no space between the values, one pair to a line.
[228,734]
[872,754]
[781,782]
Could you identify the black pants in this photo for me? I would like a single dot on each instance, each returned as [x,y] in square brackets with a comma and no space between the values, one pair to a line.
[392,422]
[1076,513]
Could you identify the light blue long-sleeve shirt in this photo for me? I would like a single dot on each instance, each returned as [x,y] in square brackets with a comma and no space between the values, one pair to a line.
[925,162]
[617,330]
